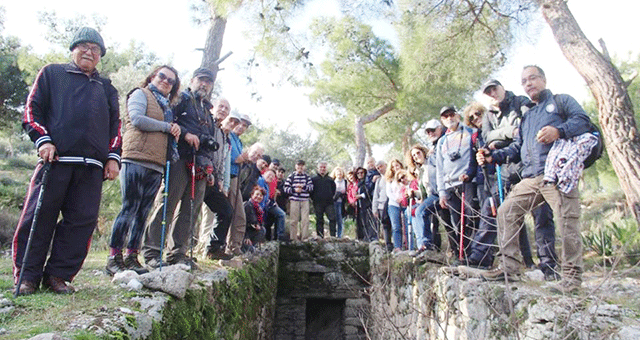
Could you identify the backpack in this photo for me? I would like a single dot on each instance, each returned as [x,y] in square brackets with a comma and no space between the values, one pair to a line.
[596,151]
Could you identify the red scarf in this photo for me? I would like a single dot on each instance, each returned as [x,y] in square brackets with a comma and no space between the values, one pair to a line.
[259,212]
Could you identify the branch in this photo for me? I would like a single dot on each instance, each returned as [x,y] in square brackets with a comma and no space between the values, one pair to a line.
[217,62]
[605,52]
[631,78]
[377,113]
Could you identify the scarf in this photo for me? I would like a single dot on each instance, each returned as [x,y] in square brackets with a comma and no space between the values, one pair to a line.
[259,212]
[172,150]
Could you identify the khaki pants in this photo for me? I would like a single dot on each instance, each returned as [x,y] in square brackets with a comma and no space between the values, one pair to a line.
[525,196]
[299,212]
[239,220]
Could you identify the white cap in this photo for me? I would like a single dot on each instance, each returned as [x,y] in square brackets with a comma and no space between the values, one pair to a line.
[432,124]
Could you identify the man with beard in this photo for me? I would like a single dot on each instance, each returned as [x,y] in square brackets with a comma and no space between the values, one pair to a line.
[324,188]
[196,143]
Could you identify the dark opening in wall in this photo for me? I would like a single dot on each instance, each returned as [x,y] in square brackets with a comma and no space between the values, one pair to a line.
[325,319]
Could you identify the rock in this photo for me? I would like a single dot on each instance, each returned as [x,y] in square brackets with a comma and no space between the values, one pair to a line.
[535,275]
[5,302]
[7,309]
[629,333]
[135,285]
[48,336]
[124,277]
[173,281]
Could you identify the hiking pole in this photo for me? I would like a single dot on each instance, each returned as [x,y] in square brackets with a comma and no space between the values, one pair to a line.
[410,241]
[461,253]
[499,176]
[45,176]
[487,189]
[165,194]
[193,194]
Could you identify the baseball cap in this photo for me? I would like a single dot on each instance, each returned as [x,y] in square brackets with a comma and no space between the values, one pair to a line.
[432,124]
[447,109]
[203,72]
[489,84]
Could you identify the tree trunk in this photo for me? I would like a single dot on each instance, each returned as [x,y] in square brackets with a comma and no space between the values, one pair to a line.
[361,149]
[616,114]
[213,45]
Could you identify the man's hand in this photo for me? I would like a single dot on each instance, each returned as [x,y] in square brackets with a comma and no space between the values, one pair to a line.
[443,203]
[47,152]
[547,135]
[111,170]
[483,156]
[192,140]
[175,131]
[464,178]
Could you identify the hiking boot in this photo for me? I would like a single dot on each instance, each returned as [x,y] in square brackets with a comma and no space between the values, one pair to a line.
[219,254]
[57,285]
[27,288]
[565,286]
[154,263]
[131,263]
[115,264]
[478,264]
[183,259]
[551,275]
[499,274]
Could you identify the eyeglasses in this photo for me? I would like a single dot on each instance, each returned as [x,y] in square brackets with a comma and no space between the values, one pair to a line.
[530,78]
[163,77]
[430,130]
[448,114]
[84,47]
[475,115]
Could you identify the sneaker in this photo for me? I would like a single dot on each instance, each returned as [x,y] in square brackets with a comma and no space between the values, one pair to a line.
[57,285]
[565,286]
[499,274]
[115,264]
[26,288]
[551,275]
[478,264]
[153,263]
[219,254]
[183,259]
[131,263]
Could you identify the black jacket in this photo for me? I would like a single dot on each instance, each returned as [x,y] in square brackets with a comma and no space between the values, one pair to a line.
[323,189]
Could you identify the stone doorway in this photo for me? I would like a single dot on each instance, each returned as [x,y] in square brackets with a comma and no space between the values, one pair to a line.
[324,319]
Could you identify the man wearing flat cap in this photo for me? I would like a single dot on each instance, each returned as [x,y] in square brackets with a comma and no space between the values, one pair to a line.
[72,116]
[196,148]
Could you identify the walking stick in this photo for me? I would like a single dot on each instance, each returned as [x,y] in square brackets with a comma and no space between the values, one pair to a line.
[461,253]
[45,176]
[165,194]
[409,225]
[487,189]
[193,194]
[499,175]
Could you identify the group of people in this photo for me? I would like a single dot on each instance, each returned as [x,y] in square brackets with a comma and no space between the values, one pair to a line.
[179,150]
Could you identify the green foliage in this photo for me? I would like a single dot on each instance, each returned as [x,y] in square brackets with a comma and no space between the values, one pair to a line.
[615,240]
[13,88]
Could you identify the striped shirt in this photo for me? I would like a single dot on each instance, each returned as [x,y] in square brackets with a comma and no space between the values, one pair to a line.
[298,180]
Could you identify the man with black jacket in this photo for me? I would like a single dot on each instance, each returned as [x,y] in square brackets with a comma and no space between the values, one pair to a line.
[196,143]
[72,116]
[324,188]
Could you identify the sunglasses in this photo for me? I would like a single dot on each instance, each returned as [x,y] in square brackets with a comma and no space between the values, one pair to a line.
[448,114]
[163,77]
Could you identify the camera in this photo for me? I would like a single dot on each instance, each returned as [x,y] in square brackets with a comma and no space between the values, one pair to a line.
[454,156]
[208,143]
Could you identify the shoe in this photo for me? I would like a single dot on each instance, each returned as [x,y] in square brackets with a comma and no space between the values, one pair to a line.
[26,288]
[499,274]
[153,263]
[57,285]
[183,259]
[131,263]
[219,254]
[565,286]
[551,275]
[478,264]
[115,264]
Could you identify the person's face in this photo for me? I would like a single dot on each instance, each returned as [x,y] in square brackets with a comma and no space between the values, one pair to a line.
[382,168]
[322,169]
[403,179]
[261,164]
[496,93]
[476,119]
[300,168]
[269,176]
[202,86]
[371,163]
[273,166]
[361,174]
[418,156]
[350,177]
[221,109]
[257,196]
[86,56]
[434,134]
[164,80]
[280,174]
[339,174]
[450,119]
[397,166]
[254,154]
[228,124]
[533,83]
[240,129]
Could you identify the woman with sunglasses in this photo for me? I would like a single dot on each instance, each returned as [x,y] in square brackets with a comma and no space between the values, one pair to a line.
[148,141]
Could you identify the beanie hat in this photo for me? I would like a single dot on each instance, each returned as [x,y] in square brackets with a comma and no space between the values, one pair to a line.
[88,34]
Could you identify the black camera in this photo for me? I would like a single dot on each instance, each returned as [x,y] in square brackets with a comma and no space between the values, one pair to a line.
[208,143]
[454,156]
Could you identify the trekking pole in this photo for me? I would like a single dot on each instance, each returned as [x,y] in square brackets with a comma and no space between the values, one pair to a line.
[499,176]
[193,194]
[461,253]
[487,189]
[165,195]
[45,176]
[409,225]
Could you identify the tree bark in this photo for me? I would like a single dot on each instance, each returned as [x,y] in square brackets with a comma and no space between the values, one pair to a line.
[213,45]
[361,149]
[616,114]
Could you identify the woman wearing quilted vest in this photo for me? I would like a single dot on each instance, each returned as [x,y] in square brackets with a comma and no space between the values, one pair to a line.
[147,144]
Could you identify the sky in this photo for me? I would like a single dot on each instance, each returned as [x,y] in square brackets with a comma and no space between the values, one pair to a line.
[169,31]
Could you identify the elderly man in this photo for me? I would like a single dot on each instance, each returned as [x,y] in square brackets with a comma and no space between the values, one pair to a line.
[196,148]
[324,188]
[72,117]
[550,118]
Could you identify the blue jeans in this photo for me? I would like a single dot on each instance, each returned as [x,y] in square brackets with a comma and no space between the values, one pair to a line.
[139,186]
[397,217]
[339,223]
[279,216]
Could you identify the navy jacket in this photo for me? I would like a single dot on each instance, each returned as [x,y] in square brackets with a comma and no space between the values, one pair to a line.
[324,188]
[193,116]
[79,114]
[572,122]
